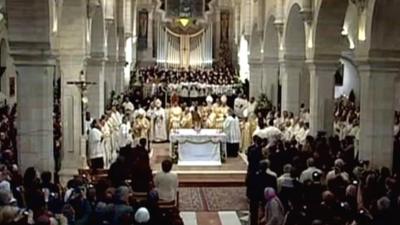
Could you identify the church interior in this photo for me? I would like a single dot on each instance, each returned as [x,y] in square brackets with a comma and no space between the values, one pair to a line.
[199,112]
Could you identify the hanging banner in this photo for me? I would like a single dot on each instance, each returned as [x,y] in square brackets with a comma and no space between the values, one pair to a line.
[224,26]
[143,29]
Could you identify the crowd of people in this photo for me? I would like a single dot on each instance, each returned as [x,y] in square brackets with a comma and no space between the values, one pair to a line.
[130,195]
[8,135]
[296,178]
[300,179]
[190,84]
[216,76]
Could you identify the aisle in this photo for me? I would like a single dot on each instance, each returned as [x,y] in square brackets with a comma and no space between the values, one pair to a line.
[215,218]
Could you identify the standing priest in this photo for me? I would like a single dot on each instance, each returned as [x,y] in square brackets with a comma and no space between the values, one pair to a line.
[160,124]
[232,130]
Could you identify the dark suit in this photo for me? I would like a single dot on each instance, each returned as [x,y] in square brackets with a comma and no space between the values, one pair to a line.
[255,181]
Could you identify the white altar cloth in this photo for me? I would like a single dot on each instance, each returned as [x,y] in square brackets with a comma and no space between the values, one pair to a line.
[199,148]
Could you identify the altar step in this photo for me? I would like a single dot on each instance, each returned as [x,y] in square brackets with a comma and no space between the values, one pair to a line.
[211,178]
[205,178]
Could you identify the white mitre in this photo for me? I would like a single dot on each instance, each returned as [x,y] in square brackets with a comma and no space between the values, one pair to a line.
[209,99]
[224,99]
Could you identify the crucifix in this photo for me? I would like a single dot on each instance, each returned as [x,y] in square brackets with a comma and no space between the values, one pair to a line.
[82,85]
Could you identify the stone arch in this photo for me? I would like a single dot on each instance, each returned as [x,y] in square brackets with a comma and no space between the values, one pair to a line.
[271,40]
[294,36]
[294,77]
[255,60]
[350,79]
[270,52]
[328,41]
[378,56]
[384,32]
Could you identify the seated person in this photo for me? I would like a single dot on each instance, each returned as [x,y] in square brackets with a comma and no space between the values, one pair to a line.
[166,183]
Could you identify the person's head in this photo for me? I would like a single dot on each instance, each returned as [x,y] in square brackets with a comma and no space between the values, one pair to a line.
[269,193]
[5,198]
[8,214]
[252,99]
[310,162]
[287,168]
[46,177]
[143,142]
[328,197]
[257,140]
[351,191]
[122,194]
[263,165]
[383,204]
[166,165]
[339,163]
[142,216]
[30,175]
[124,119]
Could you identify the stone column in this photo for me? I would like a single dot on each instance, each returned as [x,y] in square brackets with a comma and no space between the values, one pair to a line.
[110,76]
[95,73]
[270,80]
[217,32]
[120,76]
[256,70]
[377,113]
[322,80]
[35,115]
[73,141]
[291,88]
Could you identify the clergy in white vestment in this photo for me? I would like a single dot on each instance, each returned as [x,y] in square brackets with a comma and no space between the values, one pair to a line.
[125,135]
[302,133]
[128,105]
[96,148]
[107,143]
[239,106]
[160,123]
[150,114]
[116,120]
[231,128]
[251,107]
[287,132]
[272,133]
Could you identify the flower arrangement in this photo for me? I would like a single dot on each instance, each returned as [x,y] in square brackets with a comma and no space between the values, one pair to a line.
[264,105]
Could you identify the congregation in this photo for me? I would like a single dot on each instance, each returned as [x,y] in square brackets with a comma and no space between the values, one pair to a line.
[284,160]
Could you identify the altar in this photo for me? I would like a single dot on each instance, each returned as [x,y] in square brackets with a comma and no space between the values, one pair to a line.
[206,147]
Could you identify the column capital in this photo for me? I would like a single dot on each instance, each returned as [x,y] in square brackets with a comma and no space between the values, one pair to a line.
[255,63]
[323,65]
[96,59]
[295,63]
[379,65]
[270,61]
[33,54]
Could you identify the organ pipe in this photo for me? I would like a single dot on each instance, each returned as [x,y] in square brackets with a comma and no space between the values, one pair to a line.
[182,50]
